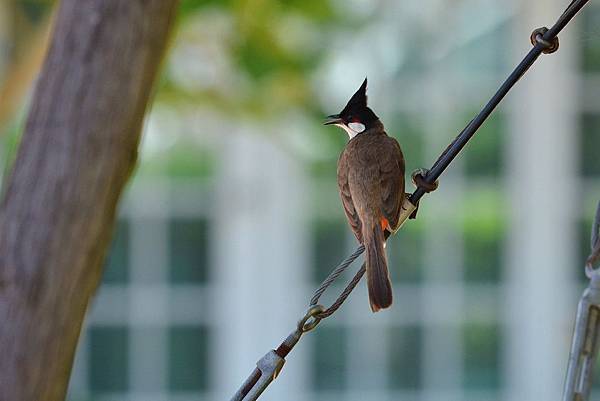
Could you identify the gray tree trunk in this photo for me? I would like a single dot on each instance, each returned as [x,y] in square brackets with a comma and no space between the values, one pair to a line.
[78,151]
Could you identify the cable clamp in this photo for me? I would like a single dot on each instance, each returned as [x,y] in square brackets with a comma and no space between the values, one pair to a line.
[419,179]
[537,37]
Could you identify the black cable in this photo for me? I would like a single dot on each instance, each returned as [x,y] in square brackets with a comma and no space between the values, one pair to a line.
[544,41]
[467,133]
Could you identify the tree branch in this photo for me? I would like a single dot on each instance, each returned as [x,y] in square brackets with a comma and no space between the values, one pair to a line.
[78,150]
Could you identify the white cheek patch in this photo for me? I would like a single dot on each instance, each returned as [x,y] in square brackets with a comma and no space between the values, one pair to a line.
[357,127]
[348,130]
[352,129]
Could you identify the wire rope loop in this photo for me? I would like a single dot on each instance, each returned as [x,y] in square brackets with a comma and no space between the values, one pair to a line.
[537,37]
[335,274]
[310,320]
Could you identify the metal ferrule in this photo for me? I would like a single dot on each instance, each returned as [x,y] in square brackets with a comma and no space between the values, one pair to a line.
[407,209]
[584,346]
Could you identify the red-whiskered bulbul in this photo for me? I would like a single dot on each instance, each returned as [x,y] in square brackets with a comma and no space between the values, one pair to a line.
[370,177]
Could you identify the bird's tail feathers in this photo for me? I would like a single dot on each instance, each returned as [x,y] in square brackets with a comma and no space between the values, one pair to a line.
[378,280]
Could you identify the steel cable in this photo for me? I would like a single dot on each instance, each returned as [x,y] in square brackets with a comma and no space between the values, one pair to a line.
[544,41]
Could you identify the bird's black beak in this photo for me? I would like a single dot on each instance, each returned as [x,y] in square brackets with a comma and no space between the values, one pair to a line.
[333,119]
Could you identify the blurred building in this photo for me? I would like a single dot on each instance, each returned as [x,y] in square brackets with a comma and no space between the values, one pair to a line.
[233,217]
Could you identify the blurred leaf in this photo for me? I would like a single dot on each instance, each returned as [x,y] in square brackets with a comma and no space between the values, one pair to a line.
[35,10]
[317,10]
[188,7]
[190,161]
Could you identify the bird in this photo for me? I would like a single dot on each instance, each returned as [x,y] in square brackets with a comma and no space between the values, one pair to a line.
[370,176]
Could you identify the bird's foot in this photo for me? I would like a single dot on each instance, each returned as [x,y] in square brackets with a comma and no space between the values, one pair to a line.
[413,215]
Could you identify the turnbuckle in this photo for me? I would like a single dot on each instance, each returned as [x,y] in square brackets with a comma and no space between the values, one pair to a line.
[584,346]
[269,366]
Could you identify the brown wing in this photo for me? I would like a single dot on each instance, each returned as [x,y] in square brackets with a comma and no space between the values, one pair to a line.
[391,170]
[349,209]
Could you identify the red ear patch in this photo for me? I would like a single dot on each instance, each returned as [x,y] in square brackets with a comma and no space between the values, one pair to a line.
[355,120]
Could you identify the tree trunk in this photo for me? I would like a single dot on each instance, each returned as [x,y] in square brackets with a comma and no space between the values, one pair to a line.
[78,150]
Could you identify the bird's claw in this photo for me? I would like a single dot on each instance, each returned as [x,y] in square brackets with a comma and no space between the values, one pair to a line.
[413,215]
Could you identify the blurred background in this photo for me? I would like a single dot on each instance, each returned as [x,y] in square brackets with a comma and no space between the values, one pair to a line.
[233,217]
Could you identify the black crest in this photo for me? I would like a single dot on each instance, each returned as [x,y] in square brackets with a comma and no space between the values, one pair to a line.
[358,101]
[357,110]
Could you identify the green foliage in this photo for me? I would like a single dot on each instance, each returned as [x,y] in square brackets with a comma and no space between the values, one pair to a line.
[34,10]
[190,162]
[245,60]
[189,7]
[270,44]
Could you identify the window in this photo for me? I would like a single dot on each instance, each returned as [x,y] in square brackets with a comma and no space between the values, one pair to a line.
[108,371]
[481,356]
[188,358]
[405,358]
[188,252]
